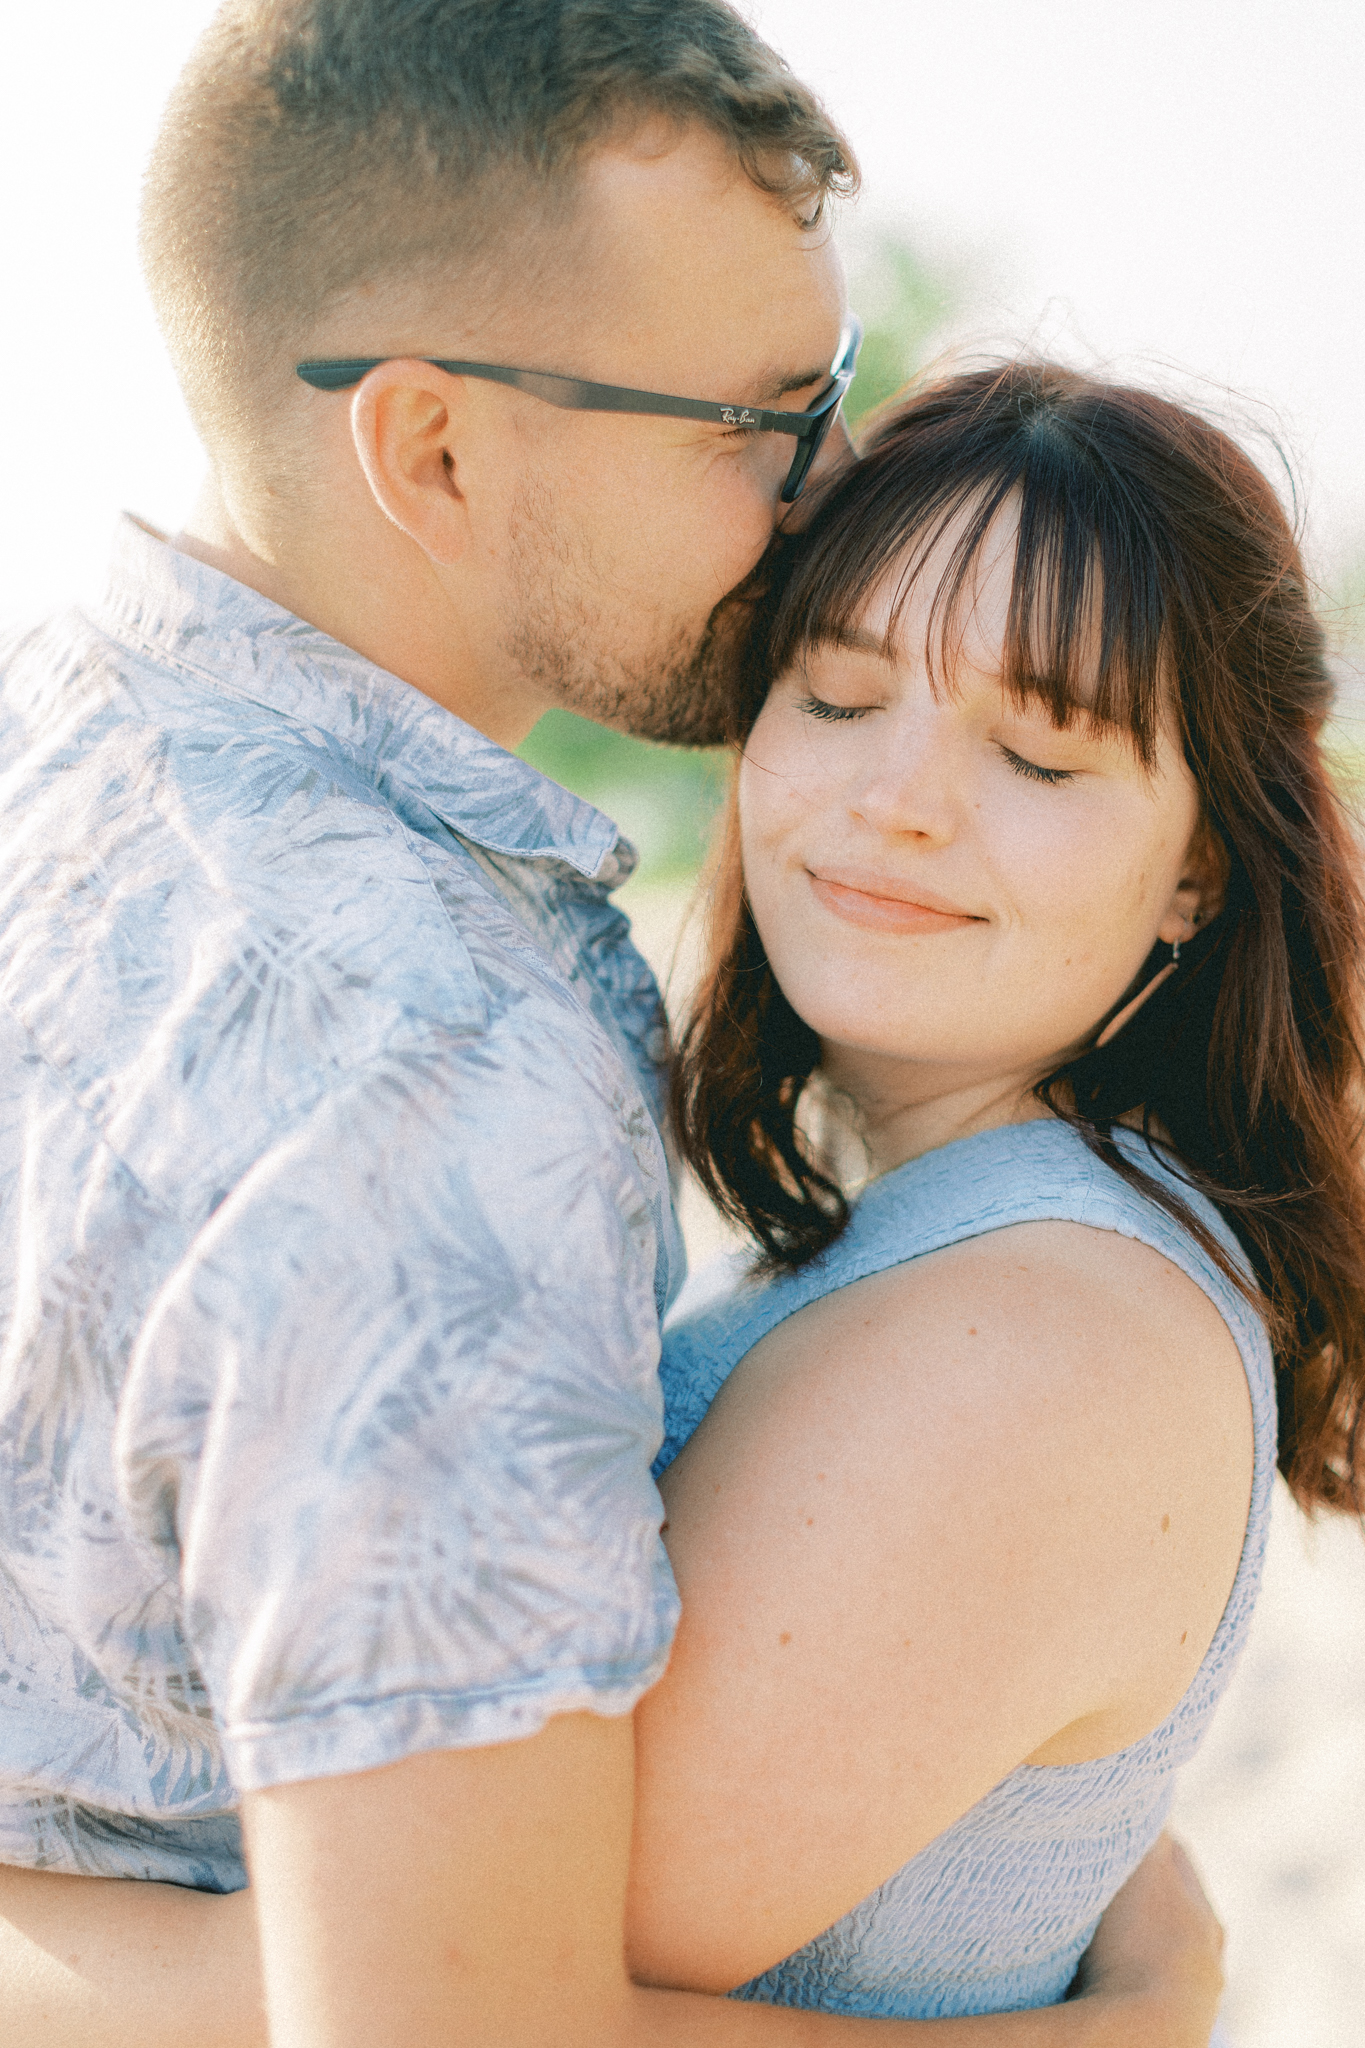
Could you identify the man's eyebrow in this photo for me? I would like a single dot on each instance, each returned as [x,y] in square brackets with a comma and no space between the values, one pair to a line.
[777,386]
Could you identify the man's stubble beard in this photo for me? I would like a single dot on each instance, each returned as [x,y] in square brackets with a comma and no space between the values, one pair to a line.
[562,642]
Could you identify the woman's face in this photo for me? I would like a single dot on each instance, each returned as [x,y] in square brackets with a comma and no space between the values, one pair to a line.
[952,891]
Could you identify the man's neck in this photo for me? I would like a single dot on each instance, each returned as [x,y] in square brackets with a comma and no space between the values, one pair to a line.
[211,536]
[374,593]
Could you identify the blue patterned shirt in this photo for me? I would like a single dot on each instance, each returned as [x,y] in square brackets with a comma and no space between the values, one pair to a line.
[335,1227]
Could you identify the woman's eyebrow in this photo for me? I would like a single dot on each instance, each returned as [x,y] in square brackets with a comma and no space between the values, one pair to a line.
[1053,689]
[857,640]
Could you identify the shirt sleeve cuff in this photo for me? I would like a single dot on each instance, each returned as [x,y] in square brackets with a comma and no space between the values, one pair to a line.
[364,1735]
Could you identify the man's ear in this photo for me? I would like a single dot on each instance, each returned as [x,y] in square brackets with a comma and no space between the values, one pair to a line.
[404,418]
[1202,888]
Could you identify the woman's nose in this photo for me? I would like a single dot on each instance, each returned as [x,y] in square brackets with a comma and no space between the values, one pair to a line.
[910,785]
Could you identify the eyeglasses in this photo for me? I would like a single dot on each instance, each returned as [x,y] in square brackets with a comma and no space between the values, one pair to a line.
[575,394]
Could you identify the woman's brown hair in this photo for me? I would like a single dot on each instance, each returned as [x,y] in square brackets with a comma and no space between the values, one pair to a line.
[1138,515]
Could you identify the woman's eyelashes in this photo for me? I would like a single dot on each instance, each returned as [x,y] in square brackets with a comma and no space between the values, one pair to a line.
[818,707]
[838,714]
[1031,771]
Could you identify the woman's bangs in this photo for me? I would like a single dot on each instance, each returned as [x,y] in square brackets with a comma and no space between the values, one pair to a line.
[836,569]
[1086,631]
[1085,626]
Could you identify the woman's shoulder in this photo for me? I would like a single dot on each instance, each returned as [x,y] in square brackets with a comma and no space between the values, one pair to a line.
[1067,1307]
[1050,1316]
[1031,1172]
[1020,1270]
[1106,1252]
[1047,1238]
[1041,1433]
[1042,1172]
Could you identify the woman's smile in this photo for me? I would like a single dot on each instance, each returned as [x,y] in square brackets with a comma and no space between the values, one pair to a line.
[882,903]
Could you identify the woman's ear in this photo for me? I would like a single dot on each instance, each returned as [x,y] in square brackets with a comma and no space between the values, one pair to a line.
[1202,888]
[404,418]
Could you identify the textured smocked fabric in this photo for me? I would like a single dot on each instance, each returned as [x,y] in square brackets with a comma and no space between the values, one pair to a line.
[993,1916]
[335,1226]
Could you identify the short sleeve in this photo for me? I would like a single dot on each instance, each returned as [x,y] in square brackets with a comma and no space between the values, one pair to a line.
[391,1421]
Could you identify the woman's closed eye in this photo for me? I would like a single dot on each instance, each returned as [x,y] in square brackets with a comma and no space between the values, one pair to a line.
[1032,771]
[819,707]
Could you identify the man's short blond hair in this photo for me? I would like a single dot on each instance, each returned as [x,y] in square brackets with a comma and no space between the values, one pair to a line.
[313,146]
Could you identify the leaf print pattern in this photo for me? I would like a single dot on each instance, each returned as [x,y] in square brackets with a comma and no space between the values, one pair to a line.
[336,1225]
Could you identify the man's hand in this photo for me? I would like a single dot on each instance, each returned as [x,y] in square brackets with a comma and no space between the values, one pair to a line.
[1160,1946]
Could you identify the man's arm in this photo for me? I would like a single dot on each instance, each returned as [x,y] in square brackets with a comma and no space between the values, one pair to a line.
[476,1899]
[109,1962]
[471,1897]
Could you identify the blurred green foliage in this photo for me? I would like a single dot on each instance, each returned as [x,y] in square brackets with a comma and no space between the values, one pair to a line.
[664,798]
[904,301]
[1345,606]
[1343,612]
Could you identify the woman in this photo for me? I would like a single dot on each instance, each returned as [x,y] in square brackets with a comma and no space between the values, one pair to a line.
[1036,870]
[1036,891]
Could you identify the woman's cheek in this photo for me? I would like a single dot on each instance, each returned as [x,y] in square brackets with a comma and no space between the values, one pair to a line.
[1105,919]
[783,792]
[1062,884]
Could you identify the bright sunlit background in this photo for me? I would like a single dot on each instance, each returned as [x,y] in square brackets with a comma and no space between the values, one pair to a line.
[1172,187]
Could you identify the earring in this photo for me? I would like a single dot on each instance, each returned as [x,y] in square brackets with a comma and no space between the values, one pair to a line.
[1194,920]
[1163,974]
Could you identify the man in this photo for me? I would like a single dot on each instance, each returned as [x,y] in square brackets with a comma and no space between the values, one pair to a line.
[337,1215]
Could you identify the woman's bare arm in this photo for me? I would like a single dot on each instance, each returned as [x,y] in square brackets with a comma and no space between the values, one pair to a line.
[982,1510]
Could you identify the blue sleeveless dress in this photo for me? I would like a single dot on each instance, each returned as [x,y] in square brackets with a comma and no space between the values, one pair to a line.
[993,1916]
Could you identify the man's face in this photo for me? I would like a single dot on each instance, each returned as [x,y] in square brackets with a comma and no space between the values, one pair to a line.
[624,532]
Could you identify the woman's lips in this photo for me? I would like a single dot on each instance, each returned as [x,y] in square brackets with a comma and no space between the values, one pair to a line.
[876,912]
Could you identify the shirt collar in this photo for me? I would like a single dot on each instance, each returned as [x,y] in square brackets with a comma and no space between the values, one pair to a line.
[169,606]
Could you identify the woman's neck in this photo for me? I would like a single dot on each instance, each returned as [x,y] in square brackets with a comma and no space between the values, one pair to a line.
[902,1111]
